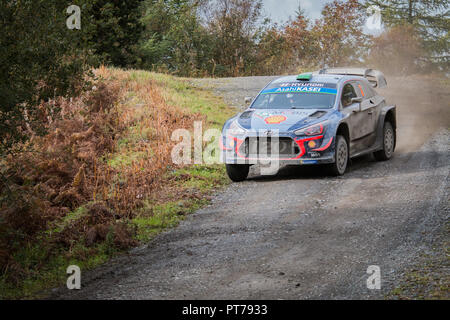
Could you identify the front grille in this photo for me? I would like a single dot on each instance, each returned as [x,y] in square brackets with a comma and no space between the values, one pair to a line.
[267,146]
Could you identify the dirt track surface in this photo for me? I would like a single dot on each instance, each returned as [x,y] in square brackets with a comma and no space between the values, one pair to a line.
[301,234]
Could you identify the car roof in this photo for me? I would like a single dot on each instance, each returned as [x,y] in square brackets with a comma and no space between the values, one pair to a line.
[327,78]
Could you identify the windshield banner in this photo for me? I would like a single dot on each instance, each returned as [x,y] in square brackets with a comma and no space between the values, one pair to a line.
[302,89]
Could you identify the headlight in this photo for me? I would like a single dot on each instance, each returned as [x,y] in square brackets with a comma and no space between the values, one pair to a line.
[313,130]
[235,129]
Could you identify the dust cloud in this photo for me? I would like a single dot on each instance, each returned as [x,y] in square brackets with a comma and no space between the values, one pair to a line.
[423,107]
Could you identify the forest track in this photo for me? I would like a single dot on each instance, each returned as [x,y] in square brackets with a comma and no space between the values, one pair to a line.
[301,234]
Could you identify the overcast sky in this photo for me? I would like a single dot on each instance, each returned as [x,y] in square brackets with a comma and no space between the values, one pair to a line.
[280,10]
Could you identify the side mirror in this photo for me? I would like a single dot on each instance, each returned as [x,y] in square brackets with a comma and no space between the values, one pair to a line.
[248,100]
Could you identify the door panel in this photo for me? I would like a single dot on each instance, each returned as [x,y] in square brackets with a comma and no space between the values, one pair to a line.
[370,110]
[379,102]
[356,118]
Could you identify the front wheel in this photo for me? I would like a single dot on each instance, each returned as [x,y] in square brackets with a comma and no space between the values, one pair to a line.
[339,167]
[237,172]
[388,143]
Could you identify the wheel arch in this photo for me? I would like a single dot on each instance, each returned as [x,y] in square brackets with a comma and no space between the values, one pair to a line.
[388,113]
[391,116]
[343,129]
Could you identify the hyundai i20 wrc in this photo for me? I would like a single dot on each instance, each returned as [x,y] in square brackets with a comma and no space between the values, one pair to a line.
[325,117]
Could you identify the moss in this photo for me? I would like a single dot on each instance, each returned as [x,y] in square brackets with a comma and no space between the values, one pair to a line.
[53,268]
[428,279]
[158,217]
[201,177]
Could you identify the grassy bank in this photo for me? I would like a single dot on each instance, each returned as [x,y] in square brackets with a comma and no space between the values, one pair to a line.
[428,279]
[102,180]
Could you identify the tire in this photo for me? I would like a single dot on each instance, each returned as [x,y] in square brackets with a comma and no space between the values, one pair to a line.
[237,172]
[388,143]
[341,156]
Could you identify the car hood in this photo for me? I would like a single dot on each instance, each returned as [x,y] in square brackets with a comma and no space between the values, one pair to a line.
[275,119]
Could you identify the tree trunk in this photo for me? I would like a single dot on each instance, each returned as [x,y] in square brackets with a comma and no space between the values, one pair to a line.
[410,11]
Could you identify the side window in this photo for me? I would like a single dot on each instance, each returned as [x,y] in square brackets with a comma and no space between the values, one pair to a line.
[348,93]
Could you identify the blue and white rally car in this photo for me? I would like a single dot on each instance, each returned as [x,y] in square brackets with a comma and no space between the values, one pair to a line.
[325,117]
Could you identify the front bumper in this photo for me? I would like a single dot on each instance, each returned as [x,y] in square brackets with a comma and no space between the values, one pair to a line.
[288,149]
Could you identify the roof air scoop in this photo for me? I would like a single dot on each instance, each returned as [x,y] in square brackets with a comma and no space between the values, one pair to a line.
[305,76]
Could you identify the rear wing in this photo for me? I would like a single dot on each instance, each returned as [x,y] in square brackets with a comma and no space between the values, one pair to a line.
[375,77]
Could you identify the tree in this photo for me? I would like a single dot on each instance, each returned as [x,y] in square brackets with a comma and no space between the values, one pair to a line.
[430,18]
[273,52]
[40,58]
[301,41]
[112,29]
[233,24]
[192,46]
[339,34]
[399,50]
[174,37]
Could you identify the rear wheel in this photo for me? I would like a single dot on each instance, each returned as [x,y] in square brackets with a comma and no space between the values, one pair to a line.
[238,172]
[388,143]
[341,157]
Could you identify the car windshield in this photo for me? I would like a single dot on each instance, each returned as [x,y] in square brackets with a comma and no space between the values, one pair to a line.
[294,101]
[297,95]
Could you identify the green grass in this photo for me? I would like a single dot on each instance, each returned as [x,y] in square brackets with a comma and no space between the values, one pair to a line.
[429,282]
[154,218]
[68,219]
[429,278]
[163,216]
[203,178]
[125,159]
[180,92]
[53,270]
[156,215]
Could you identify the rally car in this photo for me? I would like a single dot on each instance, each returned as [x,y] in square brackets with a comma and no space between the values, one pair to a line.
[324,117]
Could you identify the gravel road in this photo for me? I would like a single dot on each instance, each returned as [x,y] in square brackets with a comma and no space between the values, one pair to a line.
[301,234]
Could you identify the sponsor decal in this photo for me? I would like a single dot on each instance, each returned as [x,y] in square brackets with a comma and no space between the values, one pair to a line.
[275,119]
[300,90]
[306,84]
[284,112]
[362,91]
[314,154]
